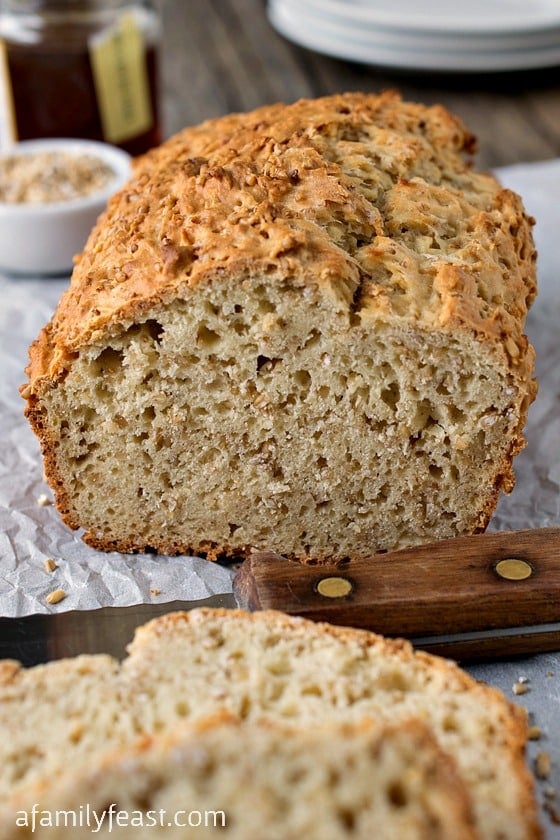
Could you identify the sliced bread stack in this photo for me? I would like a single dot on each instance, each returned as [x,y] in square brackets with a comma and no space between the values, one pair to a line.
[313,714]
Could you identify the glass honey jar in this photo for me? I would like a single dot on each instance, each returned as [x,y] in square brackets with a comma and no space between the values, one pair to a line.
[80,68]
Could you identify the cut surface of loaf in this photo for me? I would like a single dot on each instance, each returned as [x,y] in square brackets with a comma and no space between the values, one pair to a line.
[266,781]
[298,329]
[187,666]
[58,714]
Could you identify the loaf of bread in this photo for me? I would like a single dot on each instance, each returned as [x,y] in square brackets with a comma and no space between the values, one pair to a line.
[184,667]
[263,781]
[298,329]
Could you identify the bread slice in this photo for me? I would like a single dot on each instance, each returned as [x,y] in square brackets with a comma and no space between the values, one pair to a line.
[264,781]
[187,666]
[299,329]
[57,715]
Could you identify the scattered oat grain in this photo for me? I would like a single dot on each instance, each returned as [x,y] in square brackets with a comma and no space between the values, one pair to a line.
[50,565]
[520,688]
[43,500]
[542,765]
[155,591]
[534,733]
[56,596]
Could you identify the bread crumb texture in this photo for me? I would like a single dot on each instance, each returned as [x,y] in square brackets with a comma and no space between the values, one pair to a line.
[69,717]
[299,328]
[265,781]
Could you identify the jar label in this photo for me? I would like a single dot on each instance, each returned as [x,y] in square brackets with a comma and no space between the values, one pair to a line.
[8,131]
[118,61]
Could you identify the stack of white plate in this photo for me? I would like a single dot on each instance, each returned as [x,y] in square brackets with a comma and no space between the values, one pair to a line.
[434,35]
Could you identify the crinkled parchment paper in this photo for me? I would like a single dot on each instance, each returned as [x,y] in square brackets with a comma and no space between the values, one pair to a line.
[31,533]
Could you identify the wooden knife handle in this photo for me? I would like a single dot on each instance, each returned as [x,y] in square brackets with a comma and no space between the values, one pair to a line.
[492,581]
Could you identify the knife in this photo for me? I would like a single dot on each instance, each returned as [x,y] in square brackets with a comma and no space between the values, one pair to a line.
[477,597]
[470,598]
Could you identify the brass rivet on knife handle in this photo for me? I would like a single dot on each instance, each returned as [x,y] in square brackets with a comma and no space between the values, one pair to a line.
[334,587]
[513,568]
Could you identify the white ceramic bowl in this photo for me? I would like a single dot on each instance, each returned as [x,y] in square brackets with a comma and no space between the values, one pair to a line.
[42,238]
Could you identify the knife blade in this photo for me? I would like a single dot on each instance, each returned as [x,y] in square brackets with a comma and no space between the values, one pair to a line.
[471,598]
[34,639]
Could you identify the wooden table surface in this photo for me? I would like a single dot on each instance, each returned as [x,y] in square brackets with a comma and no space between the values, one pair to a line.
[223,55]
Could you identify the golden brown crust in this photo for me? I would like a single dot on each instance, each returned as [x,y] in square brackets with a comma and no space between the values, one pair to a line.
[280,187]
[9,671]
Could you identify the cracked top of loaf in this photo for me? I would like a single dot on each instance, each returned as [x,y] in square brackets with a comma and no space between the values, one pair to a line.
[368,198]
